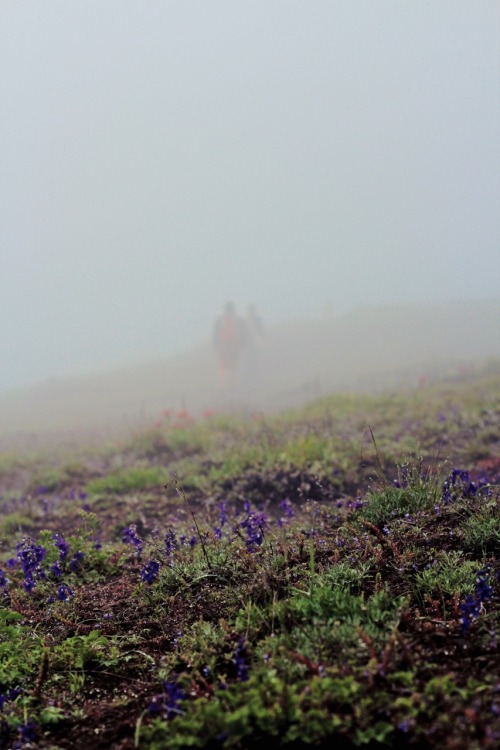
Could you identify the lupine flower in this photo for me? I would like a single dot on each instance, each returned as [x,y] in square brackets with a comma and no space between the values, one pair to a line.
[62,545]
[56,570]
[239,660]
[64,592]
[76,561]
[30,555]
[253,524]
[27,732]
[130,537]
[28,583]
[458,483]
[171,543]
[222,513]
[149,573]
[471,607]
[4,581]
[168,704]
[288,512]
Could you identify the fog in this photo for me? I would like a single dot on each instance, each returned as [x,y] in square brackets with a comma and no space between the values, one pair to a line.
[159,159]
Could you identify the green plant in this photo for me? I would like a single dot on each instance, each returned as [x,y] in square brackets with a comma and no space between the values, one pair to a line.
[482,530]
[129,480]
[448,575]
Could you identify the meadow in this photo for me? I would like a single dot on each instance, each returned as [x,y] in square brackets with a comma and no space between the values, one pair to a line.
[326,576]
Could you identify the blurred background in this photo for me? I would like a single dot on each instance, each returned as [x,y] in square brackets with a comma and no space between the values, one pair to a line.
[334,164]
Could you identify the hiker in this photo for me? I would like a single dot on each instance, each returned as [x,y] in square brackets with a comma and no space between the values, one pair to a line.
[254,326]
[230,338]
[251,359]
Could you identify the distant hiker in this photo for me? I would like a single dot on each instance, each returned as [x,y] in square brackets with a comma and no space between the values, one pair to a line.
[251,360]
[254,326]
[230,338]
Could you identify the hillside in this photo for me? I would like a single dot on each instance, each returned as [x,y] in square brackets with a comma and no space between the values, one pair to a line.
[365,350]
[325,577]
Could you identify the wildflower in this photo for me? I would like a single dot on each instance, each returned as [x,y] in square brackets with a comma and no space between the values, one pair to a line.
[4,581]
[150,571]
[76,562]
[171,543]
[472,606]
[458,483]
[254,524]
[30,555]
[168,704]
[222,513]
[29,583]
[56,570]
[64,592]
[62,545]
[239,660]
[130,537]
[27,732]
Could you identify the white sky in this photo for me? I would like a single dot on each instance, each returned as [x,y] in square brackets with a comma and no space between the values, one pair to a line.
[160,158]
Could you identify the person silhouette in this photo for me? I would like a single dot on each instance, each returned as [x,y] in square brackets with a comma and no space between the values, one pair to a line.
[229,340]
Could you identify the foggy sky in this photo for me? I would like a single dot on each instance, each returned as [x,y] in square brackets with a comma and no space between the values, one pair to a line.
[160,158]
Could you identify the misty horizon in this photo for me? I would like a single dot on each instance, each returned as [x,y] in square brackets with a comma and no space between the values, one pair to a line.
[159,160]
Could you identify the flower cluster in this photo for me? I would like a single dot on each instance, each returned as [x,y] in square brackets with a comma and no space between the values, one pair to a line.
[472,606]
[171,543]
[239,660]
[222,520]
[130,537]
[458,483]
[168,704]
[150,571]
[62,545]
[254,527]
[4,581]
[9,695]
[31,555]
[288,512]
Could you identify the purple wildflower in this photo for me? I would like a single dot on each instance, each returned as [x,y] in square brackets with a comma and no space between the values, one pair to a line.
[458,484]
[4,581]
[62,545]
[130,537]
[171,543]
[471,607]
[64,592]
[254,524]
[56,570]
[149,573]
[288,512]
[27,732]
[76,561]
[168,704]
[239,662]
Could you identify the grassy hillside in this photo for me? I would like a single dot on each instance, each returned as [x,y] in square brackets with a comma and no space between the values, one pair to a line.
[320,576]
[367,350]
